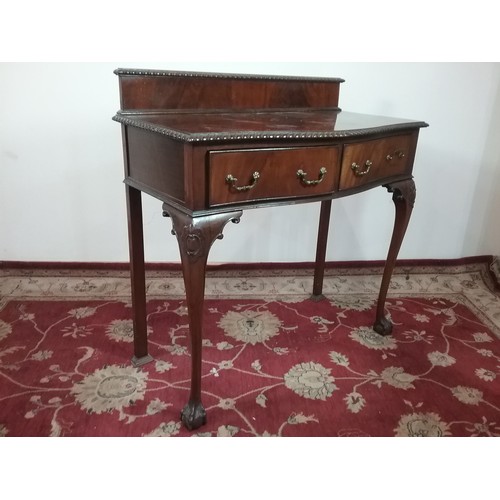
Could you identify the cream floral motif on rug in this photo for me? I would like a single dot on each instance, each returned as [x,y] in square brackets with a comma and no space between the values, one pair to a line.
[274,362]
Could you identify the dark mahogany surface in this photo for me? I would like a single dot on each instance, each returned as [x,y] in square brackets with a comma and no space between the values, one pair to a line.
[153,89]
[315,123]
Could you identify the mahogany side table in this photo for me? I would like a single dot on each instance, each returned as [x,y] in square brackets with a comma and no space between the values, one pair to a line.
[210,145]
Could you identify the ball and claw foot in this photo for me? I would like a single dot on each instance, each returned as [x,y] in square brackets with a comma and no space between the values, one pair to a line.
[193,415]
[383,326]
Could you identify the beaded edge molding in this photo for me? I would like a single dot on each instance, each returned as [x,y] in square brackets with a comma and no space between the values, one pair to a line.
[231,76]
[252,135]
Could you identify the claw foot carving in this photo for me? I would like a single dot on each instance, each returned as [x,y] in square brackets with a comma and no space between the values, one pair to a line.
[193,415]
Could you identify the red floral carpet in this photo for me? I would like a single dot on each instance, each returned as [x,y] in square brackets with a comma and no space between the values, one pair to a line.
[278,365]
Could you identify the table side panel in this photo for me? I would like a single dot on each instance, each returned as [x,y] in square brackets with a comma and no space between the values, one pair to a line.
[195,180]
[156,162]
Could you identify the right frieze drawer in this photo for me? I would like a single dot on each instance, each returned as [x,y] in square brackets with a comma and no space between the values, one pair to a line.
[371,161]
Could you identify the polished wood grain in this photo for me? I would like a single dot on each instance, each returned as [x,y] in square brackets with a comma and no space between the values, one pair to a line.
[210,145]
[143,89]
[271,125]
[156,162]
[277,171]
[372,161]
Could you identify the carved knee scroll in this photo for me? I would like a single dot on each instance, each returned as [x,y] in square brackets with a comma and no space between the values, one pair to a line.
[196,235]
[403,191]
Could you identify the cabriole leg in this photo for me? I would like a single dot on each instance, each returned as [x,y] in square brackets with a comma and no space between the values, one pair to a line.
[403,196]
[195,236]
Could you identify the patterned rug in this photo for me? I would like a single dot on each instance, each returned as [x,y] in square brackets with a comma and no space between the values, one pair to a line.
[274,362]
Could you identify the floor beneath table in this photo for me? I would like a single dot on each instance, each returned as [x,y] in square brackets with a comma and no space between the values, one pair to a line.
[274,362]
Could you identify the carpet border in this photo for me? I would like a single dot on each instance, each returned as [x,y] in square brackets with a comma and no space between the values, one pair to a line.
[490,274]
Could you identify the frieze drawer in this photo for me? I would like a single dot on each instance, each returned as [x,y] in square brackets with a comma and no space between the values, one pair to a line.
[370,161]
[246,175]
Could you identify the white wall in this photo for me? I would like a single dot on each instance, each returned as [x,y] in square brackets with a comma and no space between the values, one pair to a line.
[61,196]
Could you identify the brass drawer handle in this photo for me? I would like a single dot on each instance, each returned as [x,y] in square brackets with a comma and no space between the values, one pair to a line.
[400,154]
[359,171]
[302,176]
[231,180]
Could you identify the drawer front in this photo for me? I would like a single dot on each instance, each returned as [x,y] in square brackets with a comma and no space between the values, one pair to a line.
[375,160]
[246,175]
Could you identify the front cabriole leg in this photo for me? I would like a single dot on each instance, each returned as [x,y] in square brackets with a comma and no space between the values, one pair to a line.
[404,193]
[195,236]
